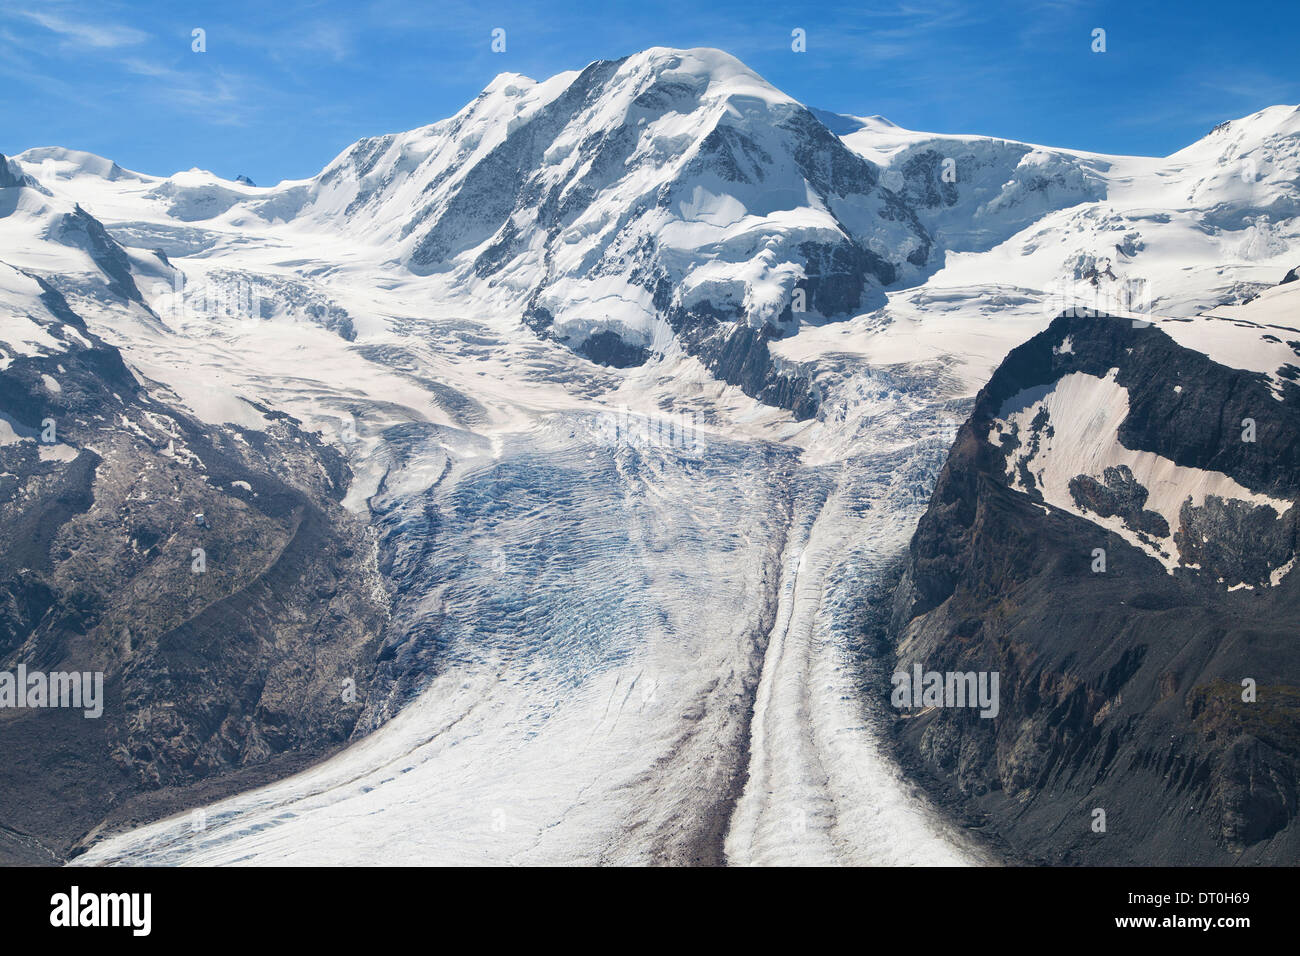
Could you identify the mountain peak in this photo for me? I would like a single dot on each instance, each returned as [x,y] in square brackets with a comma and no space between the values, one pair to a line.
[713,73]
[509,83]
[56,162]
[1234,138]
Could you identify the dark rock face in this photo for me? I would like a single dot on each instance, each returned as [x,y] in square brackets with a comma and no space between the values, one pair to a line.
[926,186]
[1122,495]
[224,644]
[739,355]
[837,276]
[8,177]
[1234,541]
[607,348]
[80,229]
[1126,690]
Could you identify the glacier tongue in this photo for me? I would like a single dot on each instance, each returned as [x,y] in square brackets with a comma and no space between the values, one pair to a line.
[820,789]
[620,635]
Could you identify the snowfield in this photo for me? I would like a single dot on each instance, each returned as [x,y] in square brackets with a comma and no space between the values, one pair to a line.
[1083,414]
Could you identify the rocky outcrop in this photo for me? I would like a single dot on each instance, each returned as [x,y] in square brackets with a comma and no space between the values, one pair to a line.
[1158,703]
[739,355]
[80,229]
[234,609]
[9,176]
[1120,494]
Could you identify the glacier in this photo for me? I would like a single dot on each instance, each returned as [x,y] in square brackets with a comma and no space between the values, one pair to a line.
[634,505]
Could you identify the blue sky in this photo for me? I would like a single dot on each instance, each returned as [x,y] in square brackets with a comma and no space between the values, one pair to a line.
[285,86]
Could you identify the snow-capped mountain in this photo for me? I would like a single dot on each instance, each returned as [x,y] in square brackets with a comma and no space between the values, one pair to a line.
[972,192]
[607,200]
[643,375]
[1212,223]
[675,200]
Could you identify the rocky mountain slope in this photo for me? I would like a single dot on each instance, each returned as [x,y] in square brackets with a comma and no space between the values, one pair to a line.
[208,573]
[1113,533]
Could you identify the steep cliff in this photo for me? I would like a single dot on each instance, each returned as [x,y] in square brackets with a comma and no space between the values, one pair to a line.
[1112,535]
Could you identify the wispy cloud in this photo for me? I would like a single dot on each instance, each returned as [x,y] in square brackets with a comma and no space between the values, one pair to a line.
[85,33]
[322,37]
